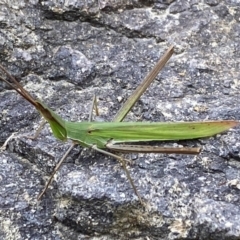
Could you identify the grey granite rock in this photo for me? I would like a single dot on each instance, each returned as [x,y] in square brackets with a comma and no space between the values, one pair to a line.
[65,51]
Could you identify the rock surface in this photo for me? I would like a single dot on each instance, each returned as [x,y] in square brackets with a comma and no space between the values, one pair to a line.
[64,52]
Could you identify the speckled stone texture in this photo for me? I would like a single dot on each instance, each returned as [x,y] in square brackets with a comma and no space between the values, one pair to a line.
[64,52]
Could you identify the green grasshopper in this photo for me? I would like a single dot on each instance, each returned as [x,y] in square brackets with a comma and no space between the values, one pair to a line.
[118,136]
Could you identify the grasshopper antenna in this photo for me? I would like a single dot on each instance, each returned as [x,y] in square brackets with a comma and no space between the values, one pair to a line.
[16,86]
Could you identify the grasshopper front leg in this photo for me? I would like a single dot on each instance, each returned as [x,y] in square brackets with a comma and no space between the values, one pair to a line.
[93,106]
[43,122]
[56,169]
